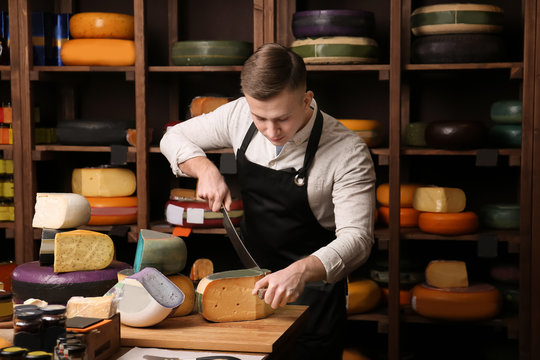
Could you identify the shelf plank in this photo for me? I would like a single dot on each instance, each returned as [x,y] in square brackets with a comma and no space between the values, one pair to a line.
[510,236]
[349,68]
[465,66]
[190,69]
[7,225]
[430,151]
[66,68]
[78,148]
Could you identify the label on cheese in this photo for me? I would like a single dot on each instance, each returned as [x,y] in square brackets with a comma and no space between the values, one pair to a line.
[60,211]
[101,307]
[439,199]
[164,252]
[107,182]
[80,250]
[446,274]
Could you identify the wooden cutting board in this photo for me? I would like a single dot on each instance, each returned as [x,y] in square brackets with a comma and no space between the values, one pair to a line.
[195,333]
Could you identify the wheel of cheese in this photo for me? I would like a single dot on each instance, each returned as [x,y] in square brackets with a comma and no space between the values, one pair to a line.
[460,48]
[363,295]
[406,192]
[178,213]
[98,52]
[404,297]
[500,216]
[505,135]
[318,23]
[6,269]
[205,104]
[30,280]
[211,53]
[408,216]
[476,302]
[93,132]
[506,111]
[103,181]
[415,134]
[455,135]
[337,50]
[60,211]
[448,223]
[370,130]
[92,25]
[439,199]
[185,284]
[121,210]
[456,19]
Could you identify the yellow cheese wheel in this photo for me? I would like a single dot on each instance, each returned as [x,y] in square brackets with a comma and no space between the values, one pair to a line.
[185,284]
[448,223]
[439,199]
[369,130]
[205,104]
[447,274]
[98,52]
[477,302]
[408,217]
[92,25]
[364,295]
[406,194]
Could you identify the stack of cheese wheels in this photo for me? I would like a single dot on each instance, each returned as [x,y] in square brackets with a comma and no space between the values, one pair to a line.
[447,294]
[457,33]
[506,129]
[442,211]
[100,39]
[370,130]
[335,37]
[109,191]
[408,216]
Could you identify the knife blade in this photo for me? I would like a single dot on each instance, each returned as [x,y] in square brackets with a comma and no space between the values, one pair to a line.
[243,253]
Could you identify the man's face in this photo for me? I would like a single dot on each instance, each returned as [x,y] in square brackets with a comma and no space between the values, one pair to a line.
[280,117]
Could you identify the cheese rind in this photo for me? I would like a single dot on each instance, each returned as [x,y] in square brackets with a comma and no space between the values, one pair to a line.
[448,223]
[106,182]
[165,252]
[60,211]
[447,274]
[226,296]
[80,250]
[439,199]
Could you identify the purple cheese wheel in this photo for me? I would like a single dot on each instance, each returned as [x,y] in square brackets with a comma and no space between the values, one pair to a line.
[455,135]
[30,280]
[317,23]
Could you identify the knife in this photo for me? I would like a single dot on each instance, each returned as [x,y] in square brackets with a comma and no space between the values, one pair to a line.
[213,357]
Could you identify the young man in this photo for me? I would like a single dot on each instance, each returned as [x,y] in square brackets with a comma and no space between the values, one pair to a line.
[307,185]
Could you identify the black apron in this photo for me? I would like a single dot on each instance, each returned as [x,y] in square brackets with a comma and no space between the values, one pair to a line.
[279,228]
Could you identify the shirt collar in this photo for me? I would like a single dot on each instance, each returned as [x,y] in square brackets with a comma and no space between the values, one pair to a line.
[303,135]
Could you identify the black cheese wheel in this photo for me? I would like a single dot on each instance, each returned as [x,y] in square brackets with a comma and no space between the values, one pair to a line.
[317,23]
[455,135]
[93,132]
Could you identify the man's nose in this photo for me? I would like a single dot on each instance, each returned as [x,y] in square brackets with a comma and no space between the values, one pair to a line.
[273,129]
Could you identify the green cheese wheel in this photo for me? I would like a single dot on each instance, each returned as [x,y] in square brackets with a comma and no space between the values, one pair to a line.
[506,112]
[456,19]
[505,135]
[500,216]
[211,53]
[337,50]
[415,134]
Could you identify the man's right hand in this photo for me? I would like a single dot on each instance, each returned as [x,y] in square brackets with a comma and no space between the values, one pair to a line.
[211,184]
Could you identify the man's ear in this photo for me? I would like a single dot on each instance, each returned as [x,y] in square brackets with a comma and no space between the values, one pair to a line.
[308,97]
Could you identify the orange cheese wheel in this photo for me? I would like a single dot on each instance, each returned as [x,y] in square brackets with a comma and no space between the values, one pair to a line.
[101,25]
[476,302]
[98,52]
[205,104]
[404,296]
[406,194]
[112,210]
[448,223]
[369,130]
[408,217]
[363,295]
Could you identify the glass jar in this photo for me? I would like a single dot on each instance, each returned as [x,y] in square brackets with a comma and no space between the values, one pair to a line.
[75,352]
[27,321]
[12,353]
[38,355]
[53,315]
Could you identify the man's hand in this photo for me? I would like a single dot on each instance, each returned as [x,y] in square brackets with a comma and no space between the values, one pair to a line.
[211,185]
[286,285]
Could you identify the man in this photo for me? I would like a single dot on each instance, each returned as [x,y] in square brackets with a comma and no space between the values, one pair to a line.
[307,185]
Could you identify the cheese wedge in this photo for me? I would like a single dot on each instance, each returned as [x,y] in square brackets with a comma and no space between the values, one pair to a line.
[439,199]
[186,286]
[164,252]
[101,307]
[107,182]
[226,296]
[447,274]
[79,250]
[60,211]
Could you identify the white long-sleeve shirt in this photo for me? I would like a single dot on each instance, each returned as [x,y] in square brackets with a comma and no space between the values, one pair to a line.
[341,181]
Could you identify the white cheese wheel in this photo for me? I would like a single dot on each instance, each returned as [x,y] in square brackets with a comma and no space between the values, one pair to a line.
[60,211]
[439,199]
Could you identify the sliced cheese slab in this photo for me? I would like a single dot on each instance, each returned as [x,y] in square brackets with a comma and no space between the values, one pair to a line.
[206,104]
[226,296]
[406,193]
[92,25]
[447,274]
[439,199]
[456,18]
[208,53]
[98,52]
[101,307]
[476,302]
[337,50]
[81,250]
[462,223]
[363,295]
[103,181]
[60,211]
[116,210]
[164,252]
[185,285]
[178,213]
[370,130]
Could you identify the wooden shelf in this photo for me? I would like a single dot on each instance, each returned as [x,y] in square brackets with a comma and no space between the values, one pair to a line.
[38,69]
[514,155]
[7,225]
[190,69]
[156,150]
[42,152]
[168,228]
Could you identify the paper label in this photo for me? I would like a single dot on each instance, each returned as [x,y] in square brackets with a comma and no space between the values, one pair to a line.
[195,216]
[175,214]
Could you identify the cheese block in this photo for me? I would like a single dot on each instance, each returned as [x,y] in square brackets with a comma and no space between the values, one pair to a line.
[506,112]
[206,104]
[363,295]
[337,50]
[118,210]
[91,25]
[93,131]
[338,22]
[211,53]
[370,130]
[165,252]
[98,52]
[226,296]
[6,269]
[30,280]
[46,250]
[455,135]
[500,216]
[188,289]
[408,217]
[103,181]
[201,268]
[197,214]
[476,302]
[60,211]
[456,19]
[406,192]
[81,250]
[101,307]
[462,223]
[439,199]
[447,274]
[458,48]
[415,134]
[505,135]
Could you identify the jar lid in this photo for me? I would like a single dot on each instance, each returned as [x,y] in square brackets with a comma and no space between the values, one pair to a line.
[4,295]
[12,351]
[19,308]
[54,309]
[38,355]
[29,314]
